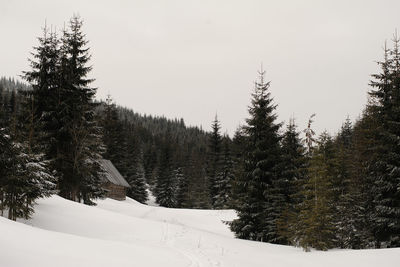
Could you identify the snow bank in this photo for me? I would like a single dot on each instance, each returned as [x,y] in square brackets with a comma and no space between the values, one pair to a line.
[22,245]
[128,233]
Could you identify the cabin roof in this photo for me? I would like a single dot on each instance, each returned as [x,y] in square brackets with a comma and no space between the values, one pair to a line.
[112,174]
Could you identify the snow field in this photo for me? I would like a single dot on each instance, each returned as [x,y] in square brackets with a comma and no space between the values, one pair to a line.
[127,233]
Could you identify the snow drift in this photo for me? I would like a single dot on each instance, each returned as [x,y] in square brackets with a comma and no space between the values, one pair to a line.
[64,233]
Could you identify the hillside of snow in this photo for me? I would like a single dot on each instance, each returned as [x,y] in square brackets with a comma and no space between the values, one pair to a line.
[127,233]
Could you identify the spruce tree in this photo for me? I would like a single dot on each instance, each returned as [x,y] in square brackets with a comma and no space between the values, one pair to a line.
[343,188]
[63,105]
[24,178]
[365,138]
[34,180]
[25,172]
[316,217]
[258,212]
[80,144]
[166,187]
[385,171]
[34,165]
[114,135]
[182,197]
[224,177]
[293,177]
[137,180]
[214,167]
[42,101]
[238,148]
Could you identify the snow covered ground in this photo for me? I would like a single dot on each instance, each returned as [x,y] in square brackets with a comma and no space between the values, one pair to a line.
[64,233]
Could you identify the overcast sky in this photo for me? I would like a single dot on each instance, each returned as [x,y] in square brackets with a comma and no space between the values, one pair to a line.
[191,59]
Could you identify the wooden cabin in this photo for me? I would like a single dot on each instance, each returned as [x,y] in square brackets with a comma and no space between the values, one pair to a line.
[114,184]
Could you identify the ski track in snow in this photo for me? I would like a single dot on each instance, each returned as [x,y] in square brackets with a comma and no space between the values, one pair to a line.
[194,261]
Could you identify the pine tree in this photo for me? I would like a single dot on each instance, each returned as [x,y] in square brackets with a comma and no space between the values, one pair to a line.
[214,167]
[295,232]
[202,199]
[198,188]
[258,212]
[182,197]
[63,105]
[292,178]
[317,228]
[34,177]
[137,180]
[41,102]
[386,170]
[166,181]
[343,188]
[114,135]
[224,177]
[238,148]
[89,169]
[24,178]
[79,140]
[26,175]
[34,166]
[365,137]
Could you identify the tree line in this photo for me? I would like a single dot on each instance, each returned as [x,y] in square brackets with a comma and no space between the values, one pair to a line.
[327,191]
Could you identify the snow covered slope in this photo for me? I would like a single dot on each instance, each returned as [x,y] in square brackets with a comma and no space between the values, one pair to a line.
[127,233]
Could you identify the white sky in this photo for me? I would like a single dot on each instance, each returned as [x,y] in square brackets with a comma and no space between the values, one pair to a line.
[192,59]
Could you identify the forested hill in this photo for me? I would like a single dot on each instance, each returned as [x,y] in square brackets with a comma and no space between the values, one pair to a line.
[11,84]
[164,154]
[173,157]
[161,127]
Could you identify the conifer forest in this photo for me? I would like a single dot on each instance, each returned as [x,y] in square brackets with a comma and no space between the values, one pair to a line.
[288,185]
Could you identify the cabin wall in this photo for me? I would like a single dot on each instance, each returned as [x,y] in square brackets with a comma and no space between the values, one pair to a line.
[114,191]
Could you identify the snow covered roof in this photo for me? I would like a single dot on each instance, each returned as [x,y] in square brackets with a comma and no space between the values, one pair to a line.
[112,174]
